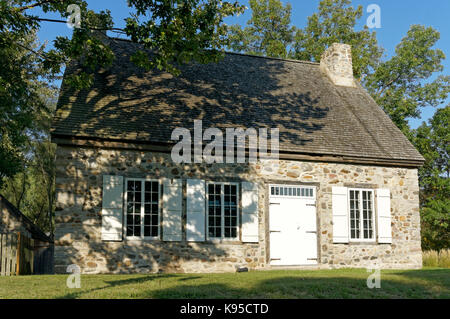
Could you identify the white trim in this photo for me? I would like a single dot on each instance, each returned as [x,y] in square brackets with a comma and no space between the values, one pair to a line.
[142,237]
[222,213]
[361,221]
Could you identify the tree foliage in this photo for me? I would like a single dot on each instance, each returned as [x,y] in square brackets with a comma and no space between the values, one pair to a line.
[267,33]
[433,141]
[401,85]
[22,86]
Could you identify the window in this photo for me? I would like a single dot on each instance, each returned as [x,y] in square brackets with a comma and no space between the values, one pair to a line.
[291,191]
[223,216]
[361,215]
[142,208]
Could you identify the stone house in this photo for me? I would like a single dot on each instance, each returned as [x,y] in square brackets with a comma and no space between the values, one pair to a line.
[343,193]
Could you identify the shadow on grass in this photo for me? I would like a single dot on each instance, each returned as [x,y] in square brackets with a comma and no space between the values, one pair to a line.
[115,283]
[432,283]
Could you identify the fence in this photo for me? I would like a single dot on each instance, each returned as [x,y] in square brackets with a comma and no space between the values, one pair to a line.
[43,257]
[16,254]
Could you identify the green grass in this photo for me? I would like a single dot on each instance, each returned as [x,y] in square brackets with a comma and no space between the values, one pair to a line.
[432,259]
[343,283]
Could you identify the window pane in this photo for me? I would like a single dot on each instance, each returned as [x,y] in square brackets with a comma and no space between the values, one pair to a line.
[367,214]
[129,230]
[137,197]
[138,186]
[354,214]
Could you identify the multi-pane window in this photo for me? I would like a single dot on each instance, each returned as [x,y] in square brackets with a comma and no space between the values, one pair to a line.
[222,217]
[142,208]
[361,214]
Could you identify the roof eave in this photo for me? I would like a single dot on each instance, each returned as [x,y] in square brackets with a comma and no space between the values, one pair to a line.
[108,143]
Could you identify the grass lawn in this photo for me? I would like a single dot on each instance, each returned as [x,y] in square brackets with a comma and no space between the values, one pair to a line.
[342,283]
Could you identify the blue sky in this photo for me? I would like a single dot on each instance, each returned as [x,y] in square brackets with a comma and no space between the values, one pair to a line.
[396,18]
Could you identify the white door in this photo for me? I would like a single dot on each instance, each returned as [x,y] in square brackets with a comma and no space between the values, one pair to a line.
[292,225]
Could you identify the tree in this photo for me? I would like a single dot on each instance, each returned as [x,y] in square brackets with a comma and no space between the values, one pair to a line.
[268,32]
[433,141]
[32,189]
[335,21]
[435,217]
[22,80]
[401,84]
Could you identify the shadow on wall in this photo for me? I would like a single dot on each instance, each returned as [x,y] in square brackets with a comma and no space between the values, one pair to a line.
[79,224]
[407,284]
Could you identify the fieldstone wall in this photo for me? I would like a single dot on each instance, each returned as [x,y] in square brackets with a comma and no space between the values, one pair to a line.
[336,63]
[78,214]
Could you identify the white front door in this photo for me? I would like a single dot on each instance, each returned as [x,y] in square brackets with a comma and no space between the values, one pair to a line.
[292,225]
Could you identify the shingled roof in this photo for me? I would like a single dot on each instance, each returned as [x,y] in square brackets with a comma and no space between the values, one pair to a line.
[314,116]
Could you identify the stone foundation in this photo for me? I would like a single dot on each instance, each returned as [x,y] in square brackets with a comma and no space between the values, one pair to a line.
[78,214]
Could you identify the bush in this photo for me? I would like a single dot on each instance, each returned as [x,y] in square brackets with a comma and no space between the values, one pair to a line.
[431,258]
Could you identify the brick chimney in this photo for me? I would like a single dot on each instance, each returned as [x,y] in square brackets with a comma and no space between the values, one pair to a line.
[336,63]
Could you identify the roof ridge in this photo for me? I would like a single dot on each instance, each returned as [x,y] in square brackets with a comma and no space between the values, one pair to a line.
[244,54]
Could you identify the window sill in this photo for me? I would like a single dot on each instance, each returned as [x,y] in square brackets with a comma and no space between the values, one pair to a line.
[223,241]
[372,242]
[136,239]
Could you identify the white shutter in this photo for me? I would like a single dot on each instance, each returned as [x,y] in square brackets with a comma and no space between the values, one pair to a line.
[340,214]
[384,216]
[250,212]
[172,203]
[112,208]
[195,202]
